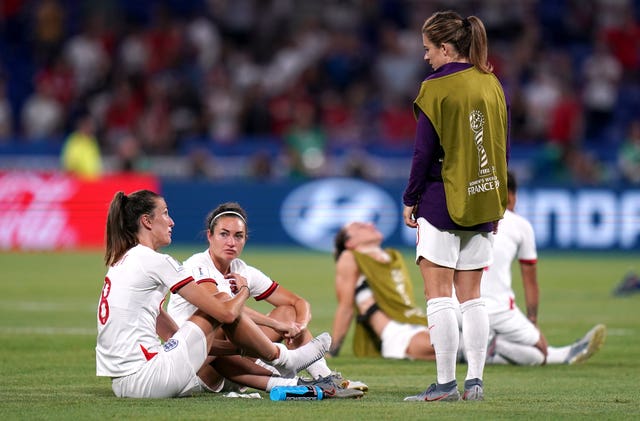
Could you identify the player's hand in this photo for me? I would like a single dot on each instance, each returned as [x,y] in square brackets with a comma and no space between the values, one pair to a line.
[290,331]
[236,281]
[409,216]
[543,344]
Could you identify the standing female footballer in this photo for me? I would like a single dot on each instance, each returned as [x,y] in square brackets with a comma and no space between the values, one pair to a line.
[457,192]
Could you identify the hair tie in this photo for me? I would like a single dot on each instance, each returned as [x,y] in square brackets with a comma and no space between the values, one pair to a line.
[466,23]
[124,199]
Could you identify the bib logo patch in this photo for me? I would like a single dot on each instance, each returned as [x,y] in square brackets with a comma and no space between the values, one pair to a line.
[487,180]
[476,121]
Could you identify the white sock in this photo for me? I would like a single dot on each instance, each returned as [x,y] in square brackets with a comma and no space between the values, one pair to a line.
[280,381]
[267,366]
[289,362]
[475,331]
[206,387]
[283,356]
[461,357]
[518,354]
[557,354]
[443,328]
[319,369]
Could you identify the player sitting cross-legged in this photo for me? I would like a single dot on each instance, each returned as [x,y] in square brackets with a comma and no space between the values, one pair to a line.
[289,319]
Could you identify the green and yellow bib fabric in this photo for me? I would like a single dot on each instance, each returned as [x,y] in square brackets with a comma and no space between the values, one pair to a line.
[393,292]
[469,113]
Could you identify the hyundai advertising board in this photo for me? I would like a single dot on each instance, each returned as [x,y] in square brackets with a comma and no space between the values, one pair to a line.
[51,211]
[308,214]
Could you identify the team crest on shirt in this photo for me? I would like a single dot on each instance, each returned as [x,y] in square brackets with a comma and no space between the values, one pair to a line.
[170,344]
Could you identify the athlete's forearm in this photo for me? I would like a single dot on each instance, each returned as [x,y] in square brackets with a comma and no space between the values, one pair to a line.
[236,304]
[166,327]
[224,311]
[531,290]
[341,322]
[303,312]
[261,319]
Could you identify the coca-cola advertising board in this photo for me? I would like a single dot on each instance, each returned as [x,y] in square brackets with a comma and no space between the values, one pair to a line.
[48,211]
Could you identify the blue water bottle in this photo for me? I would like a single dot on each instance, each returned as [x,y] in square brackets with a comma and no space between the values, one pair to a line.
[296,393]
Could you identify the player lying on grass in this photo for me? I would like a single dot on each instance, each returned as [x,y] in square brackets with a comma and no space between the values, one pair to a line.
[517,338]
[226,228]
[129,316]
[373,286]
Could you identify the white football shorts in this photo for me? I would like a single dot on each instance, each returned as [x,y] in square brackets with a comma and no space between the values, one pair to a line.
[172,372]
[396,338]
[461,250]
[513,326]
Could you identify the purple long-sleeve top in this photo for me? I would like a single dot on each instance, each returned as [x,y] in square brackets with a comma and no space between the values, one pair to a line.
[425,187]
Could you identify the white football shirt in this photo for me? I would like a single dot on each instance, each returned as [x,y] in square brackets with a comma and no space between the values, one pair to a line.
[202,268]
[515,239]
[129,305]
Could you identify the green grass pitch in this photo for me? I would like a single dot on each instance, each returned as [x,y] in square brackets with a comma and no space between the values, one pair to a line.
[47,339]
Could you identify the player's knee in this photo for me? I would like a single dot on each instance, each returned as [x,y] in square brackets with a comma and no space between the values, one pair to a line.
[283,313]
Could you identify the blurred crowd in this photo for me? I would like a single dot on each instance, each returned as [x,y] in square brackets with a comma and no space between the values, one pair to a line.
[184,77]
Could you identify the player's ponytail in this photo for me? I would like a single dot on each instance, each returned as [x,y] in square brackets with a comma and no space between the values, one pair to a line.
[123,222]
[467,35]
[479,46]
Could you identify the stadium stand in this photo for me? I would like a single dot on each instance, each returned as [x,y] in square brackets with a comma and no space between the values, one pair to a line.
[285,88]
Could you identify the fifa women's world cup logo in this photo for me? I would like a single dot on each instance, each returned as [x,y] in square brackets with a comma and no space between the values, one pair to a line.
[476,121]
